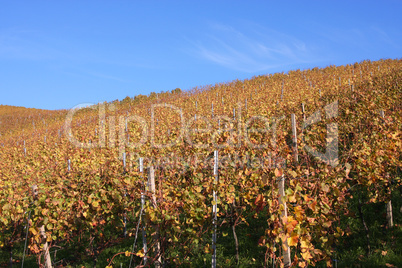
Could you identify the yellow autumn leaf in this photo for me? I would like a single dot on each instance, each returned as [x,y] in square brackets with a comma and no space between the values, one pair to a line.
[290,225]
[206,248]
[317,251]
[292,199]
[327,224]
[302,264]
[306,255]
[293,173]
[312,206]
[299,212]
[292,241]
[278,172]
[303,244]
[140,253]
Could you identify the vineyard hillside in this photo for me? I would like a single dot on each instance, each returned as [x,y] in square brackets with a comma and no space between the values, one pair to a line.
[288,169]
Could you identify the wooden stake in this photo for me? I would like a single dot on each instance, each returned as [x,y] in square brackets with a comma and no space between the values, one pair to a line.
[390,219]
[389,215]
[294,131]
[125,194]
[151,187]
[48,261]
[284,215]
[144,234]
[214,211]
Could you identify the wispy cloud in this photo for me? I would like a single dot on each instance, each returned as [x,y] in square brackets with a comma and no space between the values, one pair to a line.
[384,36]
[252,48]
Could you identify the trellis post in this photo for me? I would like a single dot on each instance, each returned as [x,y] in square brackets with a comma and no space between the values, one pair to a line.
[214,211]
[390,219]
[144,234]
[48,261]
[284,215]
[151,188]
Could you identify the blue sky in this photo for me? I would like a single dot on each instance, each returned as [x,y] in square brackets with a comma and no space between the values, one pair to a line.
[57,54]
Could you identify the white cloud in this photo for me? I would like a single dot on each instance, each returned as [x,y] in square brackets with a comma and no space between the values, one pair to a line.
[252,48]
